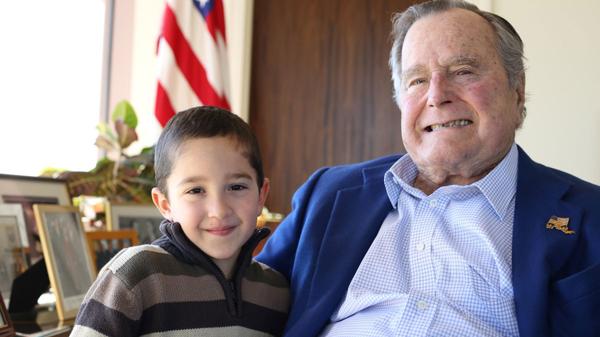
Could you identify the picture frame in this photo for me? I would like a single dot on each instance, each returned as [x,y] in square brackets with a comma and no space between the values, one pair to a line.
[27,191]
[34,186]
[6,326]
[68,261]
[144,218]
[13,245]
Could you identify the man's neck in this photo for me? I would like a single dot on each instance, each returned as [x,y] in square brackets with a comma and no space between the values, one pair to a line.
[428,185]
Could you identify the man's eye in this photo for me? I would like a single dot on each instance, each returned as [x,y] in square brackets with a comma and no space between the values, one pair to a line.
[463,72]
[417,81]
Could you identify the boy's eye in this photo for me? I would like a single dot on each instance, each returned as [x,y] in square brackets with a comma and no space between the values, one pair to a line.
[238,187]
[196,190]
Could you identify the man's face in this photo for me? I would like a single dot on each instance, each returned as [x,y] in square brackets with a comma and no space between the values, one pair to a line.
[459,113]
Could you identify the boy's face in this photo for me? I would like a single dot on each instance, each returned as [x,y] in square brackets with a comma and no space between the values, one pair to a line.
[213,194]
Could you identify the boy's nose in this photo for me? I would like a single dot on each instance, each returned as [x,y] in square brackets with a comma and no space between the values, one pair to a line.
[218,207]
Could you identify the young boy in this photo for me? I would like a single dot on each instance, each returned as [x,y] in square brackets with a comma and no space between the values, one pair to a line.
[199,278]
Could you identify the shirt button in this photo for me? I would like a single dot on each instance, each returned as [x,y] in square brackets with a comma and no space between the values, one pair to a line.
[422,305]
[420,246]
[433,203]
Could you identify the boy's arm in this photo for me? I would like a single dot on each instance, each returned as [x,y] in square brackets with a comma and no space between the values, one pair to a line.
[110,308]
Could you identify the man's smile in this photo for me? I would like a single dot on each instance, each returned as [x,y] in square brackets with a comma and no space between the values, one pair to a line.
[451,124]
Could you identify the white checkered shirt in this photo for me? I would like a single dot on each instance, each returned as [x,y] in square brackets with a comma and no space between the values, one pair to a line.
[440,264]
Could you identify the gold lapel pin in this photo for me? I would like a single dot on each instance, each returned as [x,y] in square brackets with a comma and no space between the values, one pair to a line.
[562,224]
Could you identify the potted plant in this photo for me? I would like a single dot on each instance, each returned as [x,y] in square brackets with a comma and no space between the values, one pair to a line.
[119,177]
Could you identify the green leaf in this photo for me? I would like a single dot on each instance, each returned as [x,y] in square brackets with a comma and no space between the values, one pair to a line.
[106,143]
[113,150]
[125,112]
[126,134]
[105,130]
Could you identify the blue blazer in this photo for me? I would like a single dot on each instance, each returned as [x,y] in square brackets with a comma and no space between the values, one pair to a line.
[338,211]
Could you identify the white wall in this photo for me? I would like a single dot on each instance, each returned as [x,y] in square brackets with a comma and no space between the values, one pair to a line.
[561,44]
[563,81]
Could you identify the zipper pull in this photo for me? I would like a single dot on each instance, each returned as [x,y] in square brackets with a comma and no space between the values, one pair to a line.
[233,298]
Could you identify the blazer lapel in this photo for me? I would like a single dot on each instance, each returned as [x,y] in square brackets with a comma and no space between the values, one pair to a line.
[539,252]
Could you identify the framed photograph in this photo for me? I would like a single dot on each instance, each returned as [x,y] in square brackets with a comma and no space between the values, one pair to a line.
[145,219]
[13,243]
[6,326]
[70,267]
[28,191]
[13,185]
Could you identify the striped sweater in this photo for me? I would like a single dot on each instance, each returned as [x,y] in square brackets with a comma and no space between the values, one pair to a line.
[171,288]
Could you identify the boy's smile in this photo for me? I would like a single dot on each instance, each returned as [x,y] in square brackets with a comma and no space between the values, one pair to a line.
[223,230]
[214,195]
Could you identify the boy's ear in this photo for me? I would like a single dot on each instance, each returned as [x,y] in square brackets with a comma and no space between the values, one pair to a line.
[162,203]
[262,195]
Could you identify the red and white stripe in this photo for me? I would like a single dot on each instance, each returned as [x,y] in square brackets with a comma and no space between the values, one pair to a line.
[192,59]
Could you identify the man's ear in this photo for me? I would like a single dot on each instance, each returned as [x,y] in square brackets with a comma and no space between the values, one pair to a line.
[520,89]
[162,203]
[262,195]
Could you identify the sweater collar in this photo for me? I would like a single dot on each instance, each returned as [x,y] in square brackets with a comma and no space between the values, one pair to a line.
[177,243]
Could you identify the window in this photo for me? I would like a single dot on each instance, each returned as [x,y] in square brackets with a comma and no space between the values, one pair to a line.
[50,84]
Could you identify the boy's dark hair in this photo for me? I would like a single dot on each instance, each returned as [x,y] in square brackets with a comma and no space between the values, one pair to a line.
[203,122]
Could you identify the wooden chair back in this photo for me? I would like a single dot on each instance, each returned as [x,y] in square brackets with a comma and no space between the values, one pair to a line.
[103,245]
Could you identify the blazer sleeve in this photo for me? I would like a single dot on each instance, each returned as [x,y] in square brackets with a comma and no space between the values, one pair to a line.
[280,250]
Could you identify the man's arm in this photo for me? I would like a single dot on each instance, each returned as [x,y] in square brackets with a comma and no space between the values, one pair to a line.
[280,250]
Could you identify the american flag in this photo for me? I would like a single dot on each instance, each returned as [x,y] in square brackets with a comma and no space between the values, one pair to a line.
[192,58]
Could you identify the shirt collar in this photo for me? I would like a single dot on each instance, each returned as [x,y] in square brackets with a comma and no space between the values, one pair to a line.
[498,186]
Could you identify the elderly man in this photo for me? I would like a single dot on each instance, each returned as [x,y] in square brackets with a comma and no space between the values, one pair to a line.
[463,236]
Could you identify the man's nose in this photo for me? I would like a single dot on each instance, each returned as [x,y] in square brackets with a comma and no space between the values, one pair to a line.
[439,91]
